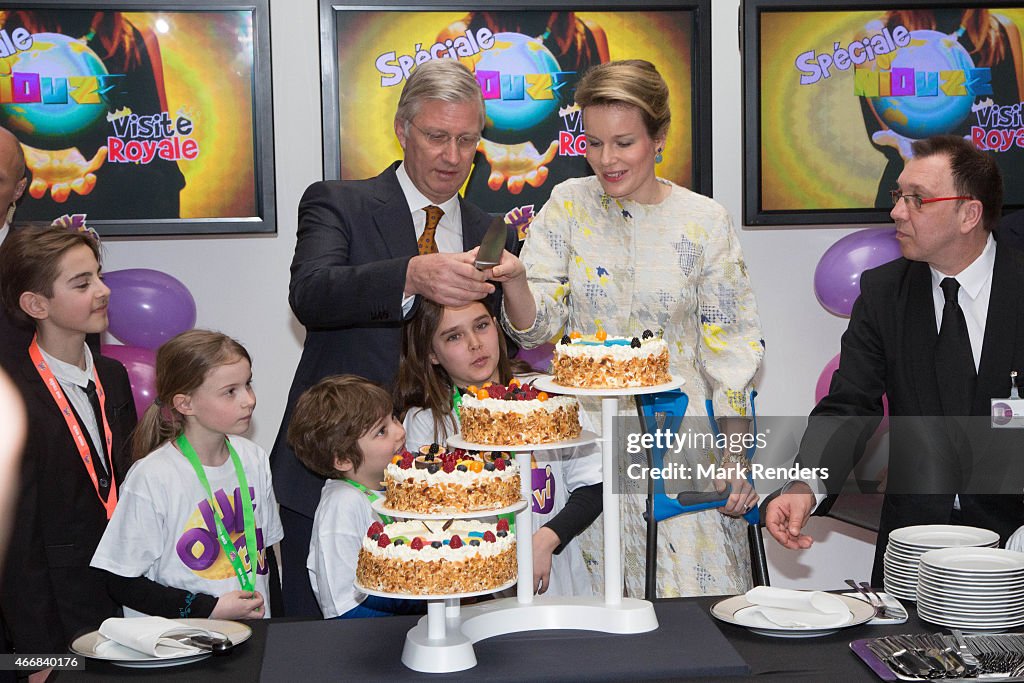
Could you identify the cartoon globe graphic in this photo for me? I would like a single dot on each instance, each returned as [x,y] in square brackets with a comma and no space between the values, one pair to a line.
[920,116]
[50,125]
[514,54]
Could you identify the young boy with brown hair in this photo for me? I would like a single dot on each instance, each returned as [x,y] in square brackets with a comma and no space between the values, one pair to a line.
[344,428]
[80,413]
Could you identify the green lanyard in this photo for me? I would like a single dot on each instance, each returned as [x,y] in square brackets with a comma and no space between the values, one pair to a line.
[372,495]
[456,402]
[245,580]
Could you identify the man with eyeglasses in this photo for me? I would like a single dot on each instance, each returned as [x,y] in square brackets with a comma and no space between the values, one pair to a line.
[938,332]
[366,250]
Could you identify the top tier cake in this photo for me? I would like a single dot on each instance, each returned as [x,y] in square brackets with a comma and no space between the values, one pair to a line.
[603,362]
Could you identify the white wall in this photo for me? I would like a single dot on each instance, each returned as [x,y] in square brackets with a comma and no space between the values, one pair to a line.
[240,283]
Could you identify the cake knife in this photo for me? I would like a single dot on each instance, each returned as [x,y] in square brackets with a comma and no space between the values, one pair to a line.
[493,243]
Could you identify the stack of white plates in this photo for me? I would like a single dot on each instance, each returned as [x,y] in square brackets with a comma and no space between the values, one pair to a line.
[906,546]
[974,589]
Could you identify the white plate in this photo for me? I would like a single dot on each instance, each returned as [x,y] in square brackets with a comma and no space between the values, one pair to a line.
[943,536]
[974,587]
[447,596]
[902,594]
[547,383]
[905,572]
[1009,575]
[985,561]
[955,597]
[86,645]
[891,579]
[971,607]
[726,610]
[968,624]
[583,439]
[379,508]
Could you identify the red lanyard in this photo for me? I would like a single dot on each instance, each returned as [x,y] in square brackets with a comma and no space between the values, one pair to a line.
[43,368]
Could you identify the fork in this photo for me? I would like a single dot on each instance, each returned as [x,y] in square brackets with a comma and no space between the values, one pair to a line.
[879,608]
[887,612]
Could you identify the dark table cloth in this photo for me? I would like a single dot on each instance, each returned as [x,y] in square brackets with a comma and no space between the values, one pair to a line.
[689,644]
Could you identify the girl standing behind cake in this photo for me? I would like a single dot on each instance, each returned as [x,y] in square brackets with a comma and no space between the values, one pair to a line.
[446,349]
[190,534]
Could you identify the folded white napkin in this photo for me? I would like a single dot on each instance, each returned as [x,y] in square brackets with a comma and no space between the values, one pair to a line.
[1016,542]
[154,636]
[786,608]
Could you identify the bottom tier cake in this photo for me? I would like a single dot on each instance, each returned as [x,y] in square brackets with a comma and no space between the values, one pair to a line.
[423,558]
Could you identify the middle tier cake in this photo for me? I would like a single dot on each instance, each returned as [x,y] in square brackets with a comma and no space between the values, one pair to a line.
[517,414]
[440,482]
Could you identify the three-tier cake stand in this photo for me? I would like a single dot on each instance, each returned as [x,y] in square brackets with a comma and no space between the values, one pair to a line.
[443,640]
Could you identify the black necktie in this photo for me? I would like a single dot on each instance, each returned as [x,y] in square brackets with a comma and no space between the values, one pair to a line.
[954,362]
[97,411]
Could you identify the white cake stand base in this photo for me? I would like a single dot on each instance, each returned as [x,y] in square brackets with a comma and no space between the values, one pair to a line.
[443,640]
[508,615]
[436,644]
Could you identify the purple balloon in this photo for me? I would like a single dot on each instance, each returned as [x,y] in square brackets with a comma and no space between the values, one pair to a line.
[825,381]
[141,367]
[148,307]
[837,277]
[539,357]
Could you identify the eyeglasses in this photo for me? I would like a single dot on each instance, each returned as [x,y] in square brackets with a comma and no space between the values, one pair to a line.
[915,201]
[439,139]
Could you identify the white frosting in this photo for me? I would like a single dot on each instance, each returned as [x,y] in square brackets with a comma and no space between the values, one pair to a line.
[428,553]
[652,347]
[454,477]
[497,405]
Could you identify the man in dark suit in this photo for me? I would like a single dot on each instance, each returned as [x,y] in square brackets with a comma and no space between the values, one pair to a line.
[366,250]
[938,332]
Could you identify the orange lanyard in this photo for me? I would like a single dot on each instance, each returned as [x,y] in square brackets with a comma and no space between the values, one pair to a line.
[76,429]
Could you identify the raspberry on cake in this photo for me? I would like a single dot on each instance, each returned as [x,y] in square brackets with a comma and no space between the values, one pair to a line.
[422,558]
[440,481]
[602,362]
[517,414]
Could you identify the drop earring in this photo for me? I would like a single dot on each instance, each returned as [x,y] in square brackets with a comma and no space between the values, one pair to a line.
[10,213]
[658,158]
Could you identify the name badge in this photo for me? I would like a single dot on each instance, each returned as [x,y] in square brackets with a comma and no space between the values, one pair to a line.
[1008,413]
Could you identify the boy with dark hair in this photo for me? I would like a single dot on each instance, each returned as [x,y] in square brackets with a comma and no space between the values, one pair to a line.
[344,429]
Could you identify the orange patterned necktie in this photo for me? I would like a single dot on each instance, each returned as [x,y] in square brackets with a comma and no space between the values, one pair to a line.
[426,242]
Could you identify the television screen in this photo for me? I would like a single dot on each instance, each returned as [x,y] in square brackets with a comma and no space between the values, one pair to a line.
[836,93]
[527,62]
[150,121]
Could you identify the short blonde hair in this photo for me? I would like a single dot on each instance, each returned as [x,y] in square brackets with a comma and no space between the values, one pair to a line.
[439,79]
[629,82]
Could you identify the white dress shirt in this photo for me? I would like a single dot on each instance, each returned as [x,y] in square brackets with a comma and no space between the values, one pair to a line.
[4,232]
[73,380]
[448,236]
[975,289]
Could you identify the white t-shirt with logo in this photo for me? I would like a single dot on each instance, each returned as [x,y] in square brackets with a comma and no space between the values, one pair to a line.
[339,525]
[163,527]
